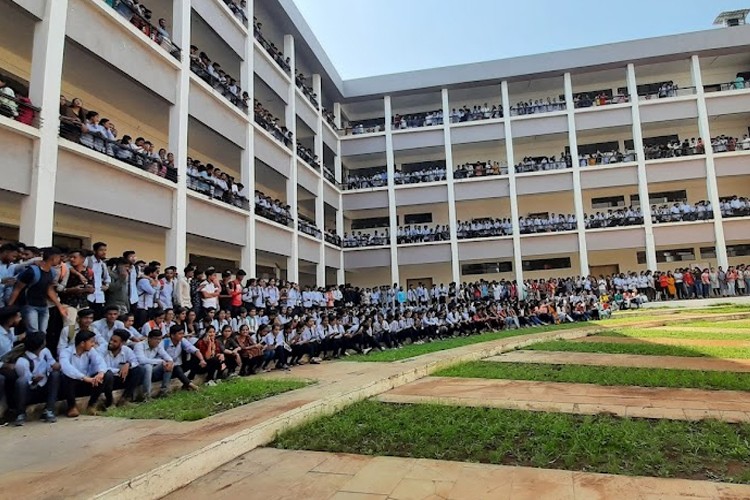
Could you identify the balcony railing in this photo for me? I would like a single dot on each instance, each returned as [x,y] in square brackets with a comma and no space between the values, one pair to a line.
[675,150]
[279,133]
[417,120]
[330,176]
[529,164]
[366,240]
[537,106]
[614,218]
[729,144]
[484,228]
[333,238]
[479,169]
[309,228]
[271,49]
[738,84]
[141,20]
[366,181]
[209,187]
[238,9]
[666,92]
[419,176]
[231,93]
[19,109]
[609,158]
[365,127]
[278,215]
[477,113]
[417,234]
[584,100]
[125,152]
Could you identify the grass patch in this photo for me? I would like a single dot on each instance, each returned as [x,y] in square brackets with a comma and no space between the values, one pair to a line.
[645,349]
[651,333]
[412,350]
[625,318]
[661,448]
[601,375]
[737,324]
[186,406]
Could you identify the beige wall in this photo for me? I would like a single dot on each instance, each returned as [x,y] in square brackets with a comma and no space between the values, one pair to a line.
[439,213]
[696,188]
[548,145]
[561,202]
[479,151]
[600,80]
[540,88]
[678,72]
[736,185]
[477,209]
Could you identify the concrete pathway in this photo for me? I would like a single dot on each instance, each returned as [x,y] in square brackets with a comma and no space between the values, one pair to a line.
[624,360]
[589,399]
[665,341]
[691,304]
[271,474]
[148,459]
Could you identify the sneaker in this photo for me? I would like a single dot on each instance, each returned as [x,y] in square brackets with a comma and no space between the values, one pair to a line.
[49,416]
[211,383]
[20,420]
[367,351]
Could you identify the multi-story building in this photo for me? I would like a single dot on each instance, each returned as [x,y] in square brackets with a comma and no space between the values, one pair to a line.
[577,132]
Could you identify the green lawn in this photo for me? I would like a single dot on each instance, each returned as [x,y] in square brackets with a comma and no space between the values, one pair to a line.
[601,375]
[709,450]
[645,349]
[682,334]
[412,350]
[189,406]
[737,324]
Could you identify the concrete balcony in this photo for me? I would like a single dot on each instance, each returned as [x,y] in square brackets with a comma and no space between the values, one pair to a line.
[272,152]
[203,212]
[728,102]
[614,115]
[214,111]
[478,188]
[604,176]
[272,237]
[668,109]
[417,138]
[486,248]
[270,72]
[93,181]
[477,131]
[731,163]
[366,199]
[309,248]
[363,258]
[675,169]
[736,229]
[17,144]
[223,22]
[615,238]
[422,193]
[549,243]
[332,257]
[539,124]
[330,137]
[683,233]
[546,181]
[331,196]
[34,7]
[354,145]
[307,177]
[424,253]
[305,110]
[128,49]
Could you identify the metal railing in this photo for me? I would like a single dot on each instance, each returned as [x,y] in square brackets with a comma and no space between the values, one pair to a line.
[72,130]
[463,115]
[739,84]
[366,240]
[537,107]
[608,158]
[666,92]
[236,97]
[272,51]
[417,120]
[309,228]
[207,186]
[128,10]
[270,214]
[283,137]
[333,239]
[664,151]
[19,109]
[584,100]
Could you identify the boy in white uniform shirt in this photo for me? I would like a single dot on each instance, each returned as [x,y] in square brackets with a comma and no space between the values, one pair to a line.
[122,368]
[83,369]
[157,364]
[38,378]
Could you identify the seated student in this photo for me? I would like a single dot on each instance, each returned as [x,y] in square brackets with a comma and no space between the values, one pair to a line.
[105,327]
[157,364]
[212,354]
[67,337]
[231,350]
[251,352]
[176,345]
[122,368]
[83,371]
[268,342]
[38,378]
[10,318]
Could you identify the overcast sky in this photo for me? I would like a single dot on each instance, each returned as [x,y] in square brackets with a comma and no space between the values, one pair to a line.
[372,37]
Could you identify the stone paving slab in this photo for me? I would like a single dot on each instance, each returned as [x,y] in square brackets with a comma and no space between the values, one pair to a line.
[590,399]
[624,360]
[281,474]
[665,341]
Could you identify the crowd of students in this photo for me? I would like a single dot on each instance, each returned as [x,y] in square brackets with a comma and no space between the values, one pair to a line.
[139,16]
[360,239]
[628,216]
[270,123]
[216,184]
[592,99]
[417,120]
[14,104]
[480,169]
[272,209]
[307,90]
[307,155]
[552,223]
[308,227]
[218,79]
[723,143]
[541,163]
[675,149]
[605,158]
[422,234]
[89,129]
[534,106]
[275,53]
[475,113]
[484,228]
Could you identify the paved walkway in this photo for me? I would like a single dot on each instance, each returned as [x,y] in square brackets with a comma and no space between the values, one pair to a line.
[314,475]
[147,459]
[589,399]
[665,341]
[624,360]
[691,304]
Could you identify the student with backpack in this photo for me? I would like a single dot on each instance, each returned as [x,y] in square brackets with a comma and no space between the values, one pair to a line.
[38,378]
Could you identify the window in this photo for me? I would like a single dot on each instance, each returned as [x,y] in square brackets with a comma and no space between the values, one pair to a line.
[646,88]
[487,268]
[738,250]
[203,262]
[662,140]
[672,255]
[590,149]
[709,252]
[608,202]
[418,218]
[661,197]
[371,223]
[422,165]
[546,264]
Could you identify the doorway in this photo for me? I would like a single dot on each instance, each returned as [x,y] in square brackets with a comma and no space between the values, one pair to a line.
[607,270]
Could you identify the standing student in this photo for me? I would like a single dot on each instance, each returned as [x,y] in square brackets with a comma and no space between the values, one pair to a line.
[34,288]
[101,278]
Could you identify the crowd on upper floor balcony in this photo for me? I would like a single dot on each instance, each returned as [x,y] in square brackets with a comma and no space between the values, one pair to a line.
[474,113]
[272,209]
[626,216]
[216,184]
[360,128]
[416,120]
[239,9]
[365,181]
[535,106]
[591,99]
[422,234]
[270,123]
[723,143]
[332,237]
[330,118]
[666,89]
[307,90]
[95,132]
[307,155]
[218,79]
[551,223]
[276,54]
[541,163]
[360,239]
[675,149]
[483,228]
[307,226]
[480,169]
[140,16]
[682,212]
[427,174]
[735,206]
[605,158]
[15,105]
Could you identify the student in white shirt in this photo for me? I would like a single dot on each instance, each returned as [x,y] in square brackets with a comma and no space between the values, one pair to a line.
[122,368]
[157,364]
[38,378]
[82,367]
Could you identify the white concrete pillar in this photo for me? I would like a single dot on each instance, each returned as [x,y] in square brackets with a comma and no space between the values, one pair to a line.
[320,269]
[577,191]
[248,257]
[340,272]
[291,186]
[392,214]
[642,173]
[176,251]
[510,158]
[712,185]
[38,208]
[452,217]
[337,114]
